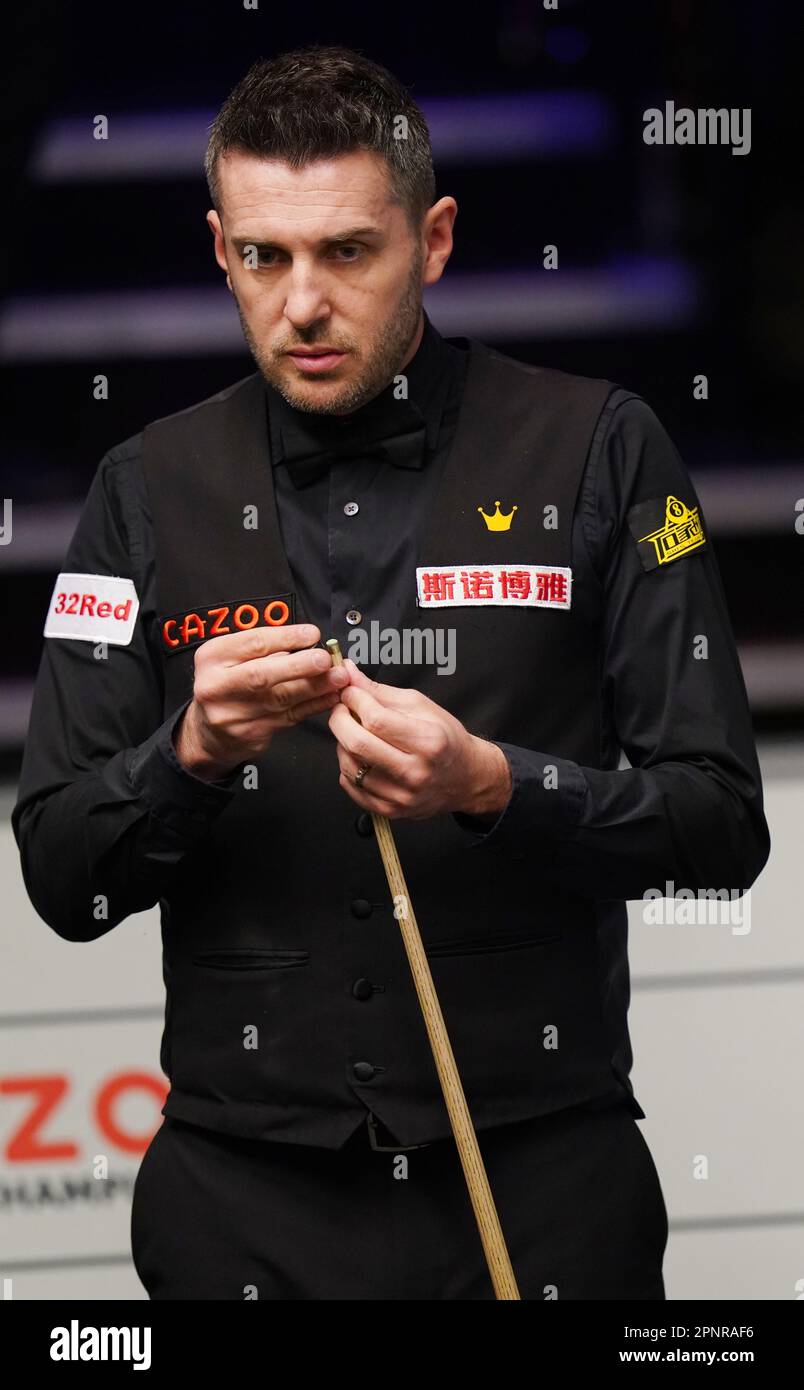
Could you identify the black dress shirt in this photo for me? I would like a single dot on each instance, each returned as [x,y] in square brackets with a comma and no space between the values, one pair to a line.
[103,797]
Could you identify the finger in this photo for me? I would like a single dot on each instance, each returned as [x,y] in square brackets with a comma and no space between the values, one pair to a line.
[234,647]
[396,697]
[374,780]
[259,719]
[247,691]
[366,747]
[356,676]
[284,694]
[265,722]
[296,713]
[260,676]
[367,801]
[394,726]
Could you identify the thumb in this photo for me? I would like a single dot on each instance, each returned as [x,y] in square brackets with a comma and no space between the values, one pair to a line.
[358,677]
[395,696]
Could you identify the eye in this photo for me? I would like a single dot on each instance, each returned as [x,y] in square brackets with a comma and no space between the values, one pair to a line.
[344,251]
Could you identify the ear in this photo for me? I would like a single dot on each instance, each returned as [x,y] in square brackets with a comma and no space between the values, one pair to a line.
[437,230]
[214,224]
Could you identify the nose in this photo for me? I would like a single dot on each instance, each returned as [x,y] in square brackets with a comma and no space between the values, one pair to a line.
[306,303]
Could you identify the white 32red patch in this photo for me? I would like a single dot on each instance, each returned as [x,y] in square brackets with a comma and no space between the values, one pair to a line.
[93,608]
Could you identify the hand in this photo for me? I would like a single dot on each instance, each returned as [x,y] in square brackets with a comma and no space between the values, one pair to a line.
[248,686]
[423,761]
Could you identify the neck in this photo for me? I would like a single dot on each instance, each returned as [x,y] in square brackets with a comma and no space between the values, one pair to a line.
[415,342]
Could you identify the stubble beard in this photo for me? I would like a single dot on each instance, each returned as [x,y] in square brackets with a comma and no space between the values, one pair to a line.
[381,363]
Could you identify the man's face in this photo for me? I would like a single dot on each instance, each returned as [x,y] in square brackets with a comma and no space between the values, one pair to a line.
[337,267]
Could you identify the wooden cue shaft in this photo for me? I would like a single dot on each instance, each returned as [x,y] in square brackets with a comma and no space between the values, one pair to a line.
[488,1222]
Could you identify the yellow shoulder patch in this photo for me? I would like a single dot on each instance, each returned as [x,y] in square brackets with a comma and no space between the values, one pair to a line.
[665,528]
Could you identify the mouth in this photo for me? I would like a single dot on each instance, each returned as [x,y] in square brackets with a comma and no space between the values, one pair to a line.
[316,359]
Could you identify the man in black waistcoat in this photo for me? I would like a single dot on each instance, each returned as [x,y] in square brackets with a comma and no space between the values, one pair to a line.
[517,562]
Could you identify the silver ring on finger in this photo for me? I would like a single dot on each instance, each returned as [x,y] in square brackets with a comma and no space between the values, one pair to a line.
[360,774]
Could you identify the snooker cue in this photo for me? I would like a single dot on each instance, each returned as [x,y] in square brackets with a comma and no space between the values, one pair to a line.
[488,1222]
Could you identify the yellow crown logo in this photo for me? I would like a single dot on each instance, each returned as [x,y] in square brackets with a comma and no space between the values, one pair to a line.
[497,521]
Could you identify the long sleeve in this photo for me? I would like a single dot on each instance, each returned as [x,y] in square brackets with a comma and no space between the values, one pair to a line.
[105,812]
[689,810]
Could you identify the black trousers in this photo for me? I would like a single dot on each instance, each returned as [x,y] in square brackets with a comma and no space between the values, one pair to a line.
[577,1192]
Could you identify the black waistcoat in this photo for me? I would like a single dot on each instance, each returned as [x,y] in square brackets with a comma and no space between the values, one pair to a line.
[290,1007]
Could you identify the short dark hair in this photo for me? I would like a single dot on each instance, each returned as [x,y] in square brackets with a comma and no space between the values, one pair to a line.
[319,102]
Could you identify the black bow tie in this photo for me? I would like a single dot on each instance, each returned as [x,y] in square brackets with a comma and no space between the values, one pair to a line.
[308,459]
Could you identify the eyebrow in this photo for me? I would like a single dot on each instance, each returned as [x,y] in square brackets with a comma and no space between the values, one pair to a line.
[350,234]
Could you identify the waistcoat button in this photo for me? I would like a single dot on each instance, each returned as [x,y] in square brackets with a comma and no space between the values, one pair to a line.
[361,908]
[362,989]
[364,825]
[363,1071]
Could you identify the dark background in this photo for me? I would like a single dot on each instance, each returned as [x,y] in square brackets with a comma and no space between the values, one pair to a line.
[709,243]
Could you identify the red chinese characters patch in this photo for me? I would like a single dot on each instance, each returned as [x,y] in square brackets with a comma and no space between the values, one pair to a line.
[516,586]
